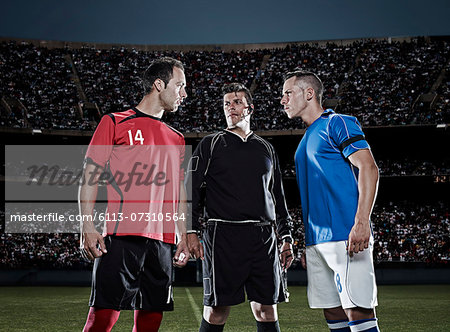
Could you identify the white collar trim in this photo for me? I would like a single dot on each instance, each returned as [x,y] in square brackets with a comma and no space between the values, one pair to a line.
[243,139]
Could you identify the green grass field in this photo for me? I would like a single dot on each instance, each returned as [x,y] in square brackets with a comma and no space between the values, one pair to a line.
[401,308]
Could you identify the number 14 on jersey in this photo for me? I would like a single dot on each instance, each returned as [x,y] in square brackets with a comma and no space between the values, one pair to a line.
[137,137]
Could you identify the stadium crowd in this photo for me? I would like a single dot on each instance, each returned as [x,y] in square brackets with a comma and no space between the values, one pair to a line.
[43,251]
[40,82]
[403,232]
[404,167]
[388,79]
[407,232]
[379,81]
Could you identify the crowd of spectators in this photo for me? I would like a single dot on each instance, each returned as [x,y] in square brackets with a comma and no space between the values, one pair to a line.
[43,251]
[112,79]
[403,232]
[379,81]
[442,106]
[387,167]
[40,79]
[404,167]
[408,232]
[331,62]
[388,78]
[12,118]
[408,167]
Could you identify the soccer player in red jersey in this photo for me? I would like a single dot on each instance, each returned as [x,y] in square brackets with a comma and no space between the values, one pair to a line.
[140,158]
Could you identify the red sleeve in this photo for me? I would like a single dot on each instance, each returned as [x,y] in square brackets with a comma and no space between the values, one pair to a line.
[102,142]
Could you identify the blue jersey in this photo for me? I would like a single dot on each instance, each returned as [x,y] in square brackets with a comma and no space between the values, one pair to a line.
[327,181]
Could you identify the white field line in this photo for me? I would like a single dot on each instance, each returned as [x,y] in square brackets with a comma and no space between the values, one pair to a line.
[195,307]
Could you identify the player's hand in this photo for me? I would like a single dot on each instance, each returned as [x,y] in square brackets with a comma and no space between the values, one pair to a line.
[303,258]
[181,256]
[93,245]
[359,237]
[195,247]
[286,255]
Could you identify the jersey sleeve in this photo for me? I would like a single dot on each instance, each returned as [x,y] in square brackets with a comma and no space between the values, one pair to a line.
[283,219]
[102,142]
[195,182]
[346,133]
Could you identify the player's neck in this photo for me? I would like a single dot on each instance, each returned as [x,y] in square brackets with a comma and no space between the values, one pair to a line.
[312,115]
[151,107]
[242,131]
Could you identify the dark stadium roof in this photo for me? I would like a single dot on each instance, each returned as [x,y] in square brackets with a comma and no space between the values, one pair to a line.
[220,22]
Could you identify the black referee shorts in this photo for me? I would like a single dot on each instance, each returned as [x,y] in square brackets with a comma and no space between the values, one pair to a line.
[135,274]
[239,259]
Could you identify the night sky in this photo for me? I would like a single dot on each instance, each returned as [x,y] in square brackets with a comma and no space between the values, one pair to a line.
[220,22]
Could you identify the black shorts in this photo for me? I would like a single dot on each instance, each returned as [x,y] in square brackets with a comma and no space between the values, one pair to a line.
[135,274]
[241,257]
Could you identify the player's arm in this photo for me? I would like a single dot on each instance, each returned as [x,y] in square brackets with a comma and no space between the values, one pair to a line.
[283,219]
[97,156]
[181,256]
[196,178]
[367,188]
[91,241]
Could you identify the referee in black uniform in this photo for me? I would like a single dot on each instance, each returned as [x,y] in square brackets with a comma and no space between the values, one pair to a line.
[237,188]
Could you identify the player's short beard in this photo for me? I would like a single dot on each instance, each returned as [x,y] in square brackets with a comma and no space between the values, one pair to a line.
[172,109]
[169,108]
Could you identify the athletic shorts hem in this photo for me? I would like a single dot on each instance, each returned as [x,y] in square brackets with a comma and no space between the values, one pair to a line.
[267,301]
[108,306]
[335,305]
[356,305]
[222,304]
[232,303]
[325,306]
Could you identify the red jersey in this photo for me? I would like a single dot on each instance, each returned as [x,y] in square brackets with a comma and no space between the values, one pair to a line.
[142,158]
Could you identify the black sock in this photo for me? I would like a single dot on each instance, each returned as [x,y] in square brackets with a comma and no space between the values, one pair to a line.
[268,326]
[206,327]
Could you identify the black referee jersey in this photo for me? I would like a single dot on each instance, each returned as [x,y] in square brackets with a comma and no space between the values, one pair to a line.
[238,180]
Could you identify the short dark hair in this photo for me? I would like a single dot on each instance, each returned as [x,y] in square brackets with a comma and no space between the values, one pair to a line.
[310,78]
[237,87]
[161,68]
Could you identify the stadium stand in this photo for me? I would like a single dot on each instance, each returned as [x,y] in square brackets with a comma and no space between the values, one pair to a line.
[405,167]
[385,83]
[38,80]
[404,232]
[382,82]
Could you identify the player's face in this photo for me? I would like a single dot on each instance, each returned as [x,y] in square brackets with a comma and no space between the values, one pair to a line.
[236,108]
[293,99]
[175,92]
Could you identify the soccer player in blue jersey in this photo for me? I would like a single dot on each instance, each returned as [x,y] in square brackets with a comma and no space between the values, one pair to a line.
[338,181]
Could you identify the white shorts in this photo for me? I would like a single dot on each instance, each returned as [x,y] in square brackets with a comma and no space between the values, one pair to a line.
[336,279]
